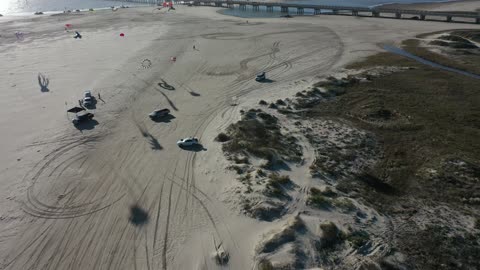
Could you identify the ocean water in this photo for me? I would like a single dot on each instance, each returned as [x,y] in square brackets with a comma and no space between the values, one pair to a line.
[13,7]
[8,7]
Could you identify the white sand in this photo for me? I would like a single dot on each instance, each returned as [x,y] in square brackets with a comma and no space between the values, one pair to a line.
[66,194]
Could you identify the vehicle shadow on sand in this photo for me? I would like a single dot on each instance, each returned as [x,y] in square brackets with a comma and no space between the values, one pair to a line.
[194,148]
[166,119]
[266,81]
[88,125]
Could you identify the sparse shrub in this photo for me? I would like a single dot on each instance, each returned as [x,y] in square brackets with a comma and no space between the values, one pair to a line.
[238,169]
[345,204]
[331,235]
[358,238]
[261,173]
[280,102]
[265,265]
[272,106]
[275,184]
[241,160]
[318,200]
[222,137]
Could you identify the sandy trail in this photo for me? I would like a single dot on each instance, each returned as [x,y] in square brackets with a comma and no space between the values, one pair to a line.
[68,193]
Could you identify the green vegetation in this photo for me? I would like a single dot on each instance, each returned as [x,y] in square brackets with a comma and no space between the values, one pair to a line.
[462,59]
[331,235]
[440,132]
[358,238]
[265,265]
[276,185]
[222,137]
[345,204]
[318,199]
[258,134]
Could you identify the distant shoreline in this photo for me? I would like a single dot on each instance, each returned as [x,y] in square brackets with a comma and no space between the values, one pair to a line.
[460,5]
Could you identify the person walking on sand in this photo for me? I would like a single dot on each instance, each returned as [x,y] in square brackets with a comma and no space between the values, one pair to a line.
[194,47]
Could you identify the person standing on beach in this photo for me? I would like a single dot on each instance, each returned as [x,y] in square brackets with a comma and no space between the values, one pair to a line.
[194,47]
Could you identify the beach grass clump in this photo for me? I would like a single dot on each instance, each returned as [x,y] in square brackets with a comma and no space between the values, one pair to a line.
[276,185]
[345,204]
[265,265]
[331,235]
[358,238]
[318,200]
[222,137]
[258,134]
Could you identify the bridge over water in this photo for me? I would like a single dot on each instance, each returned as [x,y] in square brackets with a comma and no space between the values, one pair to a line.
[448,16]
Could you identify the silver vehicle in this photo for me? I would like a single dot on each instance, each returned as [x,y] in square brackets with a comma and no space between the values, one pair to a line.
[87,98]
[189,141]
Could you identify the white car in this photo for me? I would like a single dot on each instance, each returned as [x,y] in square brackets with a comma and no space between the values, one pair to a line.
[87,98]
[189,141]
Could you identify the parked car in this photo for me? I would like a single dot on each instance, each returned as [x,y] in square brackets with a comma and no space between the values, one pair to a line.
[87,98]
[189,141]
[260,77]
[159,113]
[82,117]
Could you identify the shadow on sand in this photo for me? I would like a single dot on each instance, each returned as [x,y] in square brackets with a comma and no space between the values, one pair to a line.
[195,94]
[194,148]
[169,101]
[138,216]
[87,125]
[165,85]
[166,119]
[266,81]
[43,82]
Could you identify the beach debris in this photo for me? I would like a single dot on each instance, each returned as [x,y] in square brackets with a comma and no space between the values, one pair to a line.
[19,35]
[221,255]
[77,35]
[122,34]
[173,58]
[91,9]
[68,25]
[146,63]
[38,13]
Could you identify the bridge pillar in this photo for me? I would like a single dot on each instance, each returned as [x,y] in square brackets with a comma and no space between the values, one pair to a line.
[242,6]
[317,11]
[422,17]
[269,9]
[256,8]
[355,12]
[335,11]
[398,15]
[218,4]
[375,13]
[449,18]
[284,9]
[229,5]
[300,10]
[477,20]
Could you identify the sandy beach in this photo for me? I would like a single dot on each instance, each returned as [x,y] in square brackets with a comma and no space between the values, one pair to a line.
[68,193]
